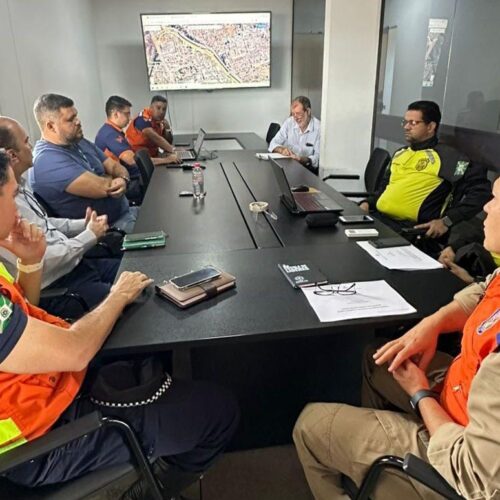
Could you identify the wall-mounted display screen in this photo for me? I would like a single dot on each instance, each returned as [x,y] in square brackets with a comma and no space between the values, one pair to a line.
[207,51]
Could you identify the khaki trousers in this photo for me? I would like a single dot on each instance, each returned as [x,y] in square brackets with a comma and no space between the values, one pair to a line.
[334,439]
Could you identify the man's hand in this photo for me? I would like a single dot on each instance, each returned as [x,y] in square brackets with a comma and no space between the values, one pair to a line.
[284,151]
[410,377]
[435,228]
[447,255]
[417,344]
[98,224]
[172,158]
[117,187]
[129,286]
[458,271]
[364,206]
[26,241]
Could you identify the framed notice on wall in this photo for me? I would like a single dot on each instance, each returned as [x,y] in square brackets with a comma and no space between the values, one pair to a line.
[435,38]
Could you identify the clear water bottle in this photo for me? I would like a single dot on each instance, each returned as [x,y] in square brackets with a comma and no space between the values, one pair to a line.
[198,182]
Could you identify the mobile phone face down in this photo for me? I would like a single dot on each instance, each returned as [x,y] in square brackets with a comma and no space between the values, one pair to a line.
[355,219]
[195,278]
[390,242]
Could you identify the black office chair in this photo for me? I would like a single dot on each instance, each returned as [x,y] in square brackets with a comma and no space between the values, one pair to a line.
[87,484]
[411,465]
[272,131]
[146,167]
[374,173]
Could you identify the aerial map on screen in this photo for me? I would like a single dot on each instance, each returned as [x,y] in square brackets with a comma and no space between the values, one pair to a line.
[207,51]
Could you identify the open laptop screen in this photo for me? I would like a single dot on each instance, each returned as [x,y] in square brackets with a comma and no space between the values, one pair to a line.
[279,173]
[199,142]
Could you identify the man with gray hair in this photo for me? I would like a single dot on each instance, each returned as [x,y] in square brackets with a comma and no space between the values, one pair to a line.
[70,173]
[299,136]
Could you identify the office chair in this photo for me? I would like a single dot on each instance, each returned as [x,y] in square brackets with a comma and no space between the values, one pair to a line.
[411,465]
[374,173]
[146,167]
[87,484]
[272,131]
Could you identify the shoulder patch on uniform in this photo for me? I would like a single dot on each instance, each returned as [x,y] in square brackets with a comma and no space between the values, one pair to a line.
[119,139]
[489,322]
[461,167]
[430,155]
[6,310]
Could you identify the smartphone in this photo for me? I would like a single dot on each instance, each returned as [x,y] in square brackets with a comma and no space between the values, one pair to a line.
[413,231]
[389,242]
[355,219]
[185,193]
[195,278]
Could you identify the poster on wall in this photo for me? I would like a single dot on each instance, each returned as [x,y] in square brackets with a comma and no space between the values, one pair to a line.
[435,38]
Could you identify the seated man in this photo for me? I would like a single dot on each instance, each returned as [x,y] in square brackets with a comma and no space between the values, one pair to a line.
[150,130]
[451,422]
[111,139]
[299,136]
[70,173]
[417,187]
[43,364]
[68,240]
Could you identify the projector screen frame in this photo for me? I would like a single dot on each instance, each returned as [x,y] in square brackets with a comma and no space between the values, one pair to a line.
[198,89]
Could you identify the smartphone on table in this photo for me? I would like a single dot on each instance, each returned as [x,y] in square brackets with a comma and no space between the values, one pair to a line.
[355,219]
[194,278]
[390,242]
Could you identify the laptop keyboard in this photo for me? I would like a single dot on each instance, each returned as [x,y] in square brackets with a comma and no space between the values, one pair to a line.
[185,155]
[308,202]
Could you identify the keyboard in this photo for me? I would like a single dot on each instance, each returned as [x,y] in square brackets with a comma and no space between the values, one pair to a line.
[308,203]
[185,155]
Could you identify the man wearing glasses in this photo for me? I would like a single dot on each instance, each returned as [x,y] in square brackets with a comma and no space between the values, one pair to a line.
[429,185]
[299,136]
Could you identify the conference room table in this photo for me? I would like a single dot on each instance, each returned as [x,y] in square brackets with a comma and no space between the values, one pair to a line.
[261,339]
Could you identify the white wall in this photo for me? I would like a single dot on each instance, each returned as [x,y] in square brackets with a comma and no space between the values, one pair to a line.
[48,47]
[122,66]
[90,49]
[349,76]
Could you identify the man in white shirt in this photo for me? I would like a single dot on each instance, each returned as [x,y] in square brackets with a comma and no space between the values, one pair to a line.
[299,135]
[67,239]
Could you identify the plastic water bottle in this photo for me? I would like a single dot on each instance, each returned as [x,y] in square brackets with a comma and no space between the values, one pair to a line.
[198,182]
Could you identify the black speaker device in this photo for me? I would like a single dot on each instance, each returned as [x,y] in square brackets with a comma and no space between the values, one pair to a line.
[322,220]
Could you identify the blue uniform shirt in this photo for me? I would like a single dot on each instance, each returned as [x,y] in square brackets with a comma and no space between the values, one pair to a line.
[113,142]
[56,167]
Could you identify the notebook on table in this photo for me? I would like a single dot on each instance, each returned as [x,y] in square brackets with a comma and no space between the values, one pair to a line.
[191,296]
[302,203]
[138,241]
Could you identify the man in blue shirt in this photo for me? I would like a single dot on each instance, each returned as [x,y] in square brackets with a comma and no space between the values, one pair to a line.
[111,139]
[70,173]
[299,136]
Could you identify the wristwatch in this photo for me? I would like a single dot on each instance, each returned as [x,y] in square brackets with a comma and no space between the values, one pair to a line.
[415,399]
[125,178]
[447,221]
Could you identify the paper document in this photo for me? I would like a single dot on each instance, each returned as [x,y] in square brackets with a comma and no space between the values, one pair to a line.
[371,300]
[407,258]
[268,156]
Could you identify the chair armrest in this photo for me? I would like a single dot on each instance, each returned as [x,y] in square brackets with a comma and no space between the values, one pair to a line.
[355,194]
[50,441]
[341,176]
[426,474]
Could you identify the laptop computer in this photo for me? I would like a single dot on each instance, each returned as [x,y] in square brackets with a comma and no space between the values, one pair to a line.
[302,203]
[193,153]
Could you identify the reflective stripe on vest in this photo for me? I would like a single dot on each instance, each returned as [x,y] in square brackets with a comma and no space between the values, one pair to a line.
[10,435]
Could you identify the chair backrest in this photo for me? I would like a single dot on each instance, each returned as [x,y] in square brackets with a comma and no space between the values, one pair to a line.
[145,165]
[45,205]
[375,168]
[272,131]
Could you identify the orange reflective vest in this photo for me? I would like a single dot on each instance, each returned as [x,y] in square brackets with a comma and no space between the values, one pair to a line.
[138,140]
[31,404]
[479,339]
